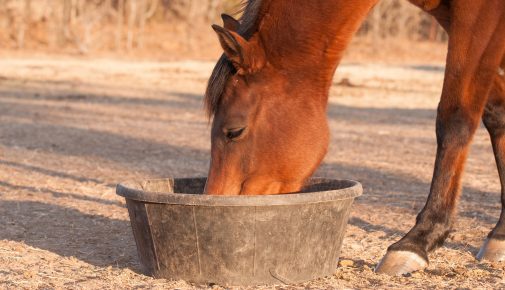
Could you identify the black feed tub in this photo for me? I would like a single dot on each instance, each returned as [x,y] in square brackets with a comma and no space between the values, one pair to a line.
[238,240]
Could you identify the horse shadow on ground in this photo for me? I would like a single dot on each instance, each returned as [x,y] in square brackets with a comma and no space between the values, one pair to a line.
[150,156]
[385,116]
[96,93]
[21,128]
[380,191]
[427,68]
[419,67]
[405,192]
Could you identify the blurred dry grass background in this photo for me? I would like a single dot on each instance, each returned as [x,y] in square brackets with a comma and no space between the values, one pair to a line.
[169,29]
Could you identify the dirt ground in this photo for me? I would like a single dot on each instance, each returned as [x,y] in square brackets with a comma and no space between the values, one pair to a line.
[70,129]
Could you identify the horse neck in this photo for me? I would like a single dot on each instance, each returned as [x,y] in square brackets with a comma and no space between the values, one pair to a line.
[307,40]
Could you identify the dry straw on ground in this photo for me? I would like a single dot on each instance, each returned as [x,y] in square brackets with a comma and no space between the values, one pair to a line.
[70,129]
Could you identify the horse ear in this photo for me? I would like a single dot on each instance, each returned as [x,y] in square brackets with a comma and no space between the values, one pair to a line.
[247,57]
[230,23]
[232,44]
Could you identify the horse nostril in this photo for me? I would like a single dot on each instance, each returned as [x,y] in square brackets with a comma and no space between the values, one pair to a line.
[234,133]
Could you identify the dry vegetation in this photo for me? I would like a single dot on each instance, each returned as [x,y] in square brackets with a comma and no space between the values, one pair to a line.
[162,28]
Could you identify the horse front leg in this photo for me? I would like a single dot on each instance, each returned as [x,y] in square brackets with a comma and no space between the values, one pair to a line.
[472,63]
[494,120]
[455,128]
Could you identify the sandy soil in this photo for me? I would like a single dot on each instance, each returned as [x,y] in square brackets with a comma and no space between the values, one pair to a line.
[71,129]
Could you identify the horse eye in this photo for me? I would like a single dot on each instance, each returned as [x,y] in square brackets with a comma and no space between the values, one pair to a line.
[233,134]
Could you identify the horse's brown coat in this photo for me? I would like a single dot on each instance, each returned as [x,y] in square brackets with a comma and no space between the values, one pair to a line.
[272,86]
[268,96]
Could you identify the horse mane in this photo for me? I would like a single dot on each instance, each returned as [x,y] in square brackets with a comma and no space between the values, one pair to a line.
[224,68]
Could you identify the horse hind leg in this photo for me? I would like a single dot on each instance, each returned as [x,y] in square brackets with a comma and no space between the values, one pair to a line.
[493,248]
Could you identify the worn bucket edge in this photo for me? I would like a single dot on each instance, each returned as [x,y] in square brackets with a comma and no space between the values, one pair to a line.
[133,190]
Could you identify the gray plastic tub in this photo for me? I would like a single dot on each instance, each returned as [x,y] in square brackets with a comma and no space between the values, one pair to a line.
[238,240]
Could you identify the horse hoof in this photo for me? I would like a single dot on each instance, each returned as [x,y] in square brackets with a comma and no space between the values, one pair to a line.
[397,263]
[492,250]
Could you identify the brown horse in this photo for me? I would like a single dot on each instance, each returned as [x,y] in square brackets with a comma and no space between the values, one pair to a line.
[268,95]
